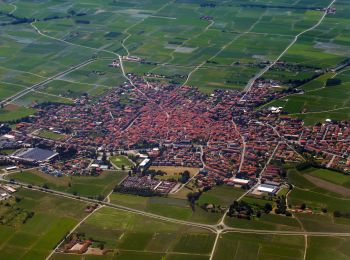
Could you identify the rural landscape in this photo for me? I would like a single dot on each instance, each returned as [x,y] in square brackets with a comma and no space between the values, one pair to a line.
[175,129]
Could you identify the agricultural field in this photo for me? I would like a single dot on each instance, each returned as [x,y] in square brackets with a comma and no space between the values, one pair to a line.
[328,247]
[129,235]
[266,222]
[248,246]
[168,207]
[179,208]
[88,186]
[209,47]
[41,232]
[320,102]
[318,200]
[331,176]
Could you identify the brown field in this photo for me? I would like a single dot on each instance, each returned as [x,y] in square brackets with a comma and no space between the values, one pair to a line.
[173,170]
[328,185]
[11,107]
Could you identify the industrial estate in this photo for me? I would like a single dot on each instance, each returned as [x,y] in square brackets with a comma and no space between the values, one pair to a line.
[183,129]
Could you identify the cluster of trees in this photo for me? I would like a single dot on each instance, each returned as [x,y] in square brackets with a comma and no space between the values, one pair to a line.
[139,191]
[282,207]
[185,176]
[333,82]
[339,214]
[241,209]
[21,20]
[192,197]
[279,6]
[14,213]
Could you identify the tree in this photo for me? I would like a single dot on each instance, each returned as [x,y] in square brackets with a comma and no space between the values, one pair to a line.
[337,214]
[258,214]
[267,208]
[185,176]
[333,82]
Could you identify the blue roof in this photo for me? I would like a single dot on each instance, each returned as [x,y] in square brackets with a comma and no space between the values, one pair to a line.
[37,154]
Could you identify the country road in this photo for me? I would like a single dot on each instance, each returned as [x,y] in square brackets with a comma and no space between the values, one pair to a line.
[48,80]
[212,227]
[267,68]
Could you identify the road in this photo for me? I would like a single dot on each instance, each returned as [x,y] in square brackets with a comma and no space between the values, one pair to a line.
[244,144]
[218,229]
[48,80]
[267,68]
[211,227]
[221,49]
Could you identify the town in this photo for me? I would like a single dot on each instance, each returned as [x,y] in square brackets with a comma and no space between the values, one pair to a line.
[224,135]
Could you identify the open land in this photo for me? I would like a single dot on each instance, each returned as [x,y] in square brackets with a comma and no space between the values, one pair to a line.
[252,98]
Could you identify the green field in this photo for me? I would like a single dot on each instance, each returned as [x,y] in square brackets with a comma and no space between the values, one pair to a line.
[121,161]
[245,246]
[328,247]
[331,176]
[127,234]
[41,233]
[169,207]
[224,52]
[89,186]
[179,208]
[50,135]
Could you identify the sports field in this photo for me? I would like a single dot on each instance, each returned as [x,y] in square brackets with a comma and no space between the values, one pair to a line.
[63,49]
[121,161]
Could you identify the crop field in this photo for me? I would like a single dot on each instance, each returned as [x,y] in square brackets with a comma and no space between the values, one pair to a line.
[246,246]
[316,199]
[128,234]
[331,176]
[88,186]
[328,247]
[35,238]
[179,208]
[266,222]
[320,102]
[221,195]
[227,47]
[168,207]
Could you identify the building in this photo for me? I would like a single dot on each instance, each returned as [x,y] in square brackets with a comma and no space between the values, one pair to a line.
[34,155]
[270,189]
